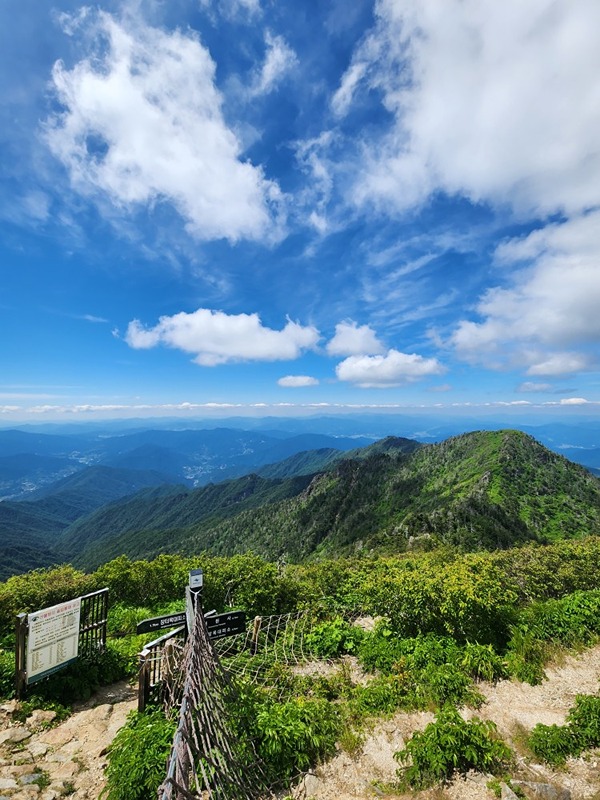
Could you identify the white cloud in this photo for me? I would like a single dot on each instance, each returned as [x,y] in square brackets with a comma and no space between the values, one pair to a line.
[295,381]
[279,60]
[529,386]
[232,9]
[351,339]
[551,304]
[560,364]
[342,98]
[495,101]
[218,338]
[574,401]
[142,124]
[392,369]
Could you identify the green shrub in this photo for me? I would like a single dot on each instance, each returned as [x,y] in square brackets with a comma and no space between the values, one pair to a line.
[482,663]
[138,755]
[468,599]
[555,743]
[571,620]
[383,695]
[333,638]
[526,656]
[449,745]
[446,683]
[289,736]
[293,736]
[7,674]
[584,720]
[381,649]
[38,589]
[552,743]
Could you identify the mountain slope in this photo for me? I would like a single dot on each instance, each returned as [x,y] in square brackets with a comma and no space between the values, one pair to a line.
[149,519]
[478,490]
[30,529]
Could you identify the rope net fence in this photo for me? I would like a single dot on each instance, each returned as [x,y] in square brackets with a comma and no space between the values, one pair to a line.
[209,758]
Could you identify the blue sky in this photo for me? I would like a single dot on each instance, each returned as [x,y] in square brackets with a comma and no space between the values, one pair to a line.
[248,204]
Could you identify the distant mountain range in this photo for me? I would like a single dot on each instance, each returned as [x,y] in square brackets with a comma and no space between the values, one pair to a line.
[479,490]
[29,461]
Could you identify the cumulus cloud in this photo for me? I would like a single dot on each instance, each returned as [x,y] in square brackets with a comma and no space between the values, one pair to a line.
[279,60]
[551,303]
[352,339]
[218,338]
[142,123]
[574,401]
[495,101]
[393,369]
[295,381]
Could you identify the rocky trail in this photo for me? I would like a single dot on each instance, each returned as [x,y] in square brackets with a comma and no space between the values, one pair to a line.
[66,760]
[43,762]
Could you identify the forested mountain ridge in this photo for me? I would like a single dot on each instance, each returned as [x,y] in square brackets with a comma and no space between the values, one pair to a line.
[30,529]
[477,490]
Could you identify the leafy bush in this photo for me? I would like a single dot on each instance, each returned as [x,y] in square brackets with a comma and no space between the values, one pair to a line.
[40,588]
[293,736]
[333,638]
[446,683]
[584,720]
[482,663]
[381,649]
[468,599]
[137,756]
[7,674]
[555,743]
[573,619]
[290,736]
[526,656]
[383,695]
[449,745]
[552,743]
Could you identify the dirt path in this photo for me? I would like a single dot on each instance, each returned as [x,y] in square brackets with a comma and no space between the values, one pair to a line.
[71,756]
[514,707]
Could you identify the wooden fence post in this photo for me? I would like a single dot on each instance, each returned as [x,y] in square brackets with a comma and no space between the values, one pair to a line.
[20,653]
[255,632]
[144,679]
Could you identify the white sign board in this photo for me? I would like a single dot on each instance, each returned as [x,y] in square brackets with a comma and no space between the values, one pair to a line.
[196,579]
[53,638]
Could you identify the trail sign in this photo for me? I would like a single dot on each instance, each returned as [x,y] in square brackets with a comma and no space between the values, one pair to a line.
[227,624]
[53,640]
[161,623]
[196,579]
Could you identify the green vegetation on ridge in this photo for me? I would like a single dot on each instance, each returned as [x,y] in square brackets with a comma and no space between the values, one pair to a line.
[482,490]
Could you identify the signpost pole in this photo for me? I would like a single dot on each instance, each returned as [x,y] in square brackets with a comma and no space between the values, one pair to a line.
[195,593]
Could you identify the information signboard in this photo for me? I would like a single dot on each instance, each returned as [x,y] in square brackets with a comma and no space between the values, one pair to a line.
[227,624]
[53,639]
[161,623]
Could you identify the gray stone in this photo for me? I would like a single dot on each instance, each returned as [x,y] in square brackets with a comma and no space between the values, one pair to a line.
[14,735]
[40,717]
[8,783]
[25,780]
[543,791]
[507,793]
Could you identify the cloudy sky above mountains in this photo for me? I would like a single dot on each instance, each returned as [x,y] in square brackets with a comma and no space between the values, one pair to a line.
[247,203]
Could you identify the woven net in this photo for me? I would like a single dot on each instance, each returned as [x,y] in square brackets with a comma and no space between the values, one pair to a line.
[208,759]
